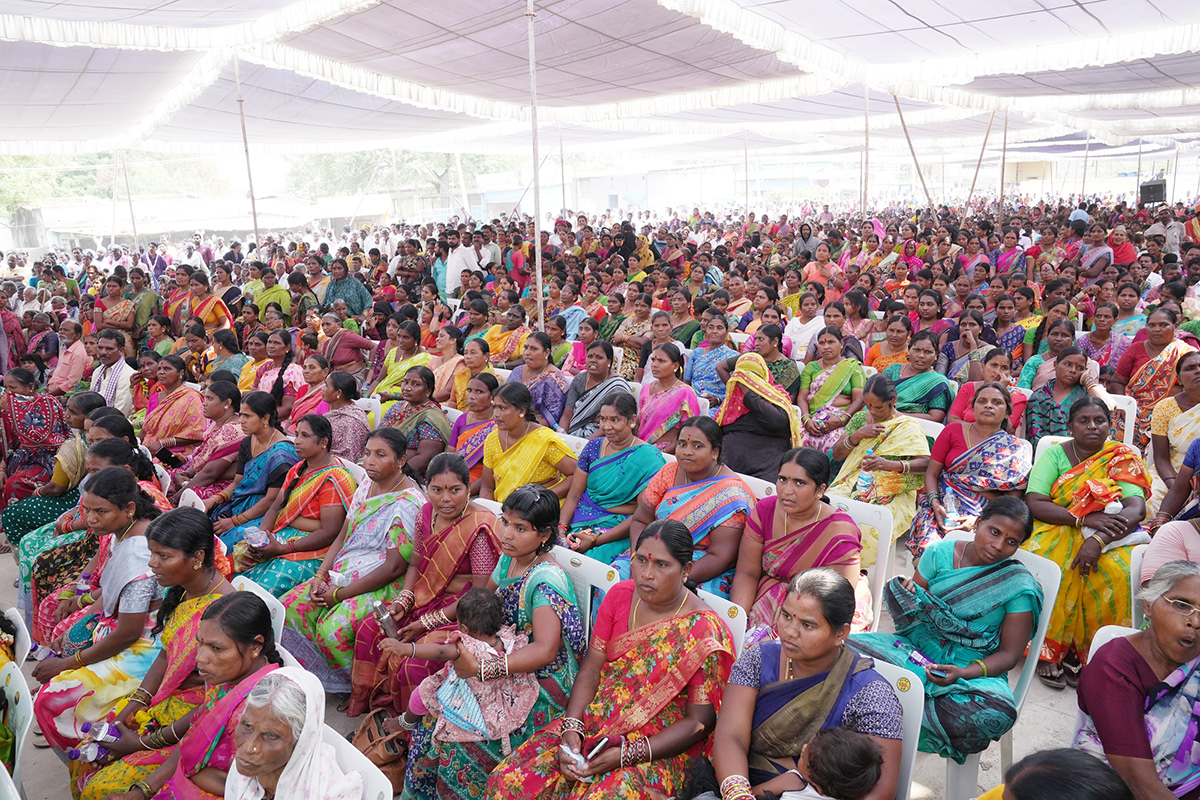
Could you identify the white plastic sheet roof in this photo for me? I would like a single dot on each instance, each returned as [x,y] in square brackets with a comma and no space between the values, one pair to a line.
[684,76]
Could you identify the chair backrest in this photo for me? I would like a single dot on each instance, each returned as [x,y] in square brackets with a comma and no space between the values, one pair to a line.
[502,374]
[1049,576]
[1128,405]
[189,499]
[739,339]
[731,614]
[23,643]
[1135,582]
[244,584]
[373,407]
[635,389]
[1102,637]
[490,505]
[879,518]
[869,371]
[586,574]
[931,429]
[376,785]
[575,443]
[360,474]
[164,478]
[20,713]
[191,385]
[8,787]
[618,359]
[452,413]
[760,487]
[1045,442]
[911,694]
[1026,393]
[288,659]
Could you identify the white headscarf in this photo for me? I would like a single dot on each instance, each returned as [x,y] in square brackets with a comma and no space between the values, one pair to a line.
[312,772]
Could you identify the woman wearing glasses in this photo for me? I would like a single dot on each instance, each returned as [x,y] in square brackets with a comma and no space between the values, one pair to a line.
[1138,692]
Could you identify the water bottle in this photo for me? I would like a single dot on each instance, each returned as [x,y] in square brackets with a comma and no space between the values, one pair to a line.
[255,537]
[863,484]
[915,656]
[101,731]
[1112,509]
[88,752]
[40,652]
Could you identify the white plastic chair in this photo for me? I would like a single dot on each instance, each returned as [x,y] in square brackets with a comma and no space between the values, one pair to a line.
[452,414]
[376,786]
[22,643]
[502,374]
[288,659]
[869,371]
[618,359]
[879,518]
[954,387]
[373,407]
[360,474]
[20,716]
[1102,637]
[761,488]
[1045,442]
[734,616]
[1026,393]
[8,788]
[164,478]
[739,339]
[490,505]
[1125,403]
[190,385]
[1135,580]
[586,574]
[911,694]
[244,584]
[189,499]
[575,443]
[931,429]
[962,780]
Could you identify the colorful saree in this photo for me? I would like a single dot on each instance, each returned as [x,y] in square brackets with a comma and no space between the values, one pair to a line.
[416,422]
[254,483]
[609,326]
[443,559]
[1130,326]
[920,393]
[632,326]
[505,346]
[374,525]
[179,414]
[1044,417]
[394,368]
[468,437]
[1000,463]
[901,439]
[613,480]
[957,620]
[212,310]
[460,770]
[33,429]
[1085,605]
[701,370]
[1180,428]
[533,459]
[1110,353]
[549,390]
[310,400]
[463,376]
[219,444]
[703,506]
[824,386]
[659,413]
[650,675]
[304,496]
[25,516]
[1153,381]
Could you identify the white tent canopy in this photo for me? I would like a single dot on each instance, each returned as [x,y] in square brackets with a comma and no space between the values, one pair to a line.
[706,75]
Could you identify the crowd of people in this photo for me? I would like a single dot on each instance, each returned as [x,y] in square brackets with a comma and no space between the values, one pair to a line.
[390,429]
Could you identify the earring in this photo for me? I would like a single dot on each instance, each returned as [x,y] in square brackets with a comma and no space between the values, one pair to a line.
[195,567]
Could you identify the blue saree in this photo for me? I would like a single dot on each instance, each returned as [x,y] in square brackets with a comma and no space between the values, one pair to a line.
[280,456]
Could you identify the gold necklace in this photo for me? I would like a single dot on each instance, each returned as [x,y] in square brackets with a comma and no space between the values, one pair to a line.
[211,586]
[638,602]
[123,533]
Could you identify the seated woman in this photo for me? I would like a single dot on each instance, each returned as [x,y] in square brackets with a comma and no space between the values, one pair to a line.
[664,707]
[700,491]
[563,352]
[60,493]
[310,399]
[959,359]
[894,347]
[470,431]
[1048,406]
[453,548]
[474,362]
[305,517]
[971,464]
[701,368]
[997,368]
[371,551]
[280,375]
[921,391]
[506,341]
[144,386]
[280,751]
[1174,426]
[589,388]
[407,354]
[971,608]
[106,653]
[757,420]
[1069,488]
[666,401]
[830,391]
[1039,369]
[546,384]
[211,467]
[520,451]
[345,350]
[1137,692]
[768,340]
[181,546]
[537,598]
[256,348]
[263,459]
[884,455]
[1147,368]
[175,419]
[782,692]
[349,422]
[235,649]
[32,428]
[791,532]
[420,419]
[612,471]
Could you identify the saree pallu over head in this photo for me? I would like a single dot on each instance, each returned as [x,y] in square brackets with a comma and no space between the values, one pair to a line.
[662,412]
[615,480]
[1153,381]
[253,485]
[751,374]
[1000,463]
[1172,711]
[524,461]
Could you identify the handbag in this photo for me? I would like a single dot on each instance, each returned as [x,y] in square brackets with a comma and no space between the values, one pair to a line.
[385,749]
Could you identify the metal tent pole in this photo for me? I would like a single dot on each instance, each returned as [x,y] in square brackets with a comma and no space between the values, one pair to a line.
[1003,165]
[562,166]
[530,14]
[746,170]
[1086,150]
[979,163]
[129,197]
[1175,176]
[237,74]
[911,149]
[1137,188]
[866,159]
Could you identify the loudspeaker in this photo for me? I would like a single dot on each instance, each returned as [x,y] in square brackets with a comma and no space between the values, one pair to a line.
[1154,192]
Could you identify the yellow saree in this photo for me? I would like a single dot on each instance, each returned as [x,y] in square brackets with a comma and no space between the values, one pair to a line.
[530,460]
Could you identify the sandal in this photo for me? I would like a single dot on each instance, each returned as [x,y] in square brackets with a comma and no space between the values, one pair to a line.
[1056,679]
[1071,674]
[39,739]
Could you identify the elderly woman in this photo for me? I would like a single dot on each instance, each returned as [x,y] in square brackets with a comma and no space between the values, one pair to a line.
[1137,692]
[537,598]
[884,455]
[757,420]
[589,390]
[345,350]
[506,340]
[656,711]
[767,716]
[791,532]
[281,747]
[971,609]
[1069,489]
[703,493]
